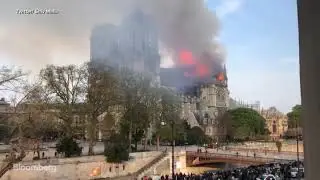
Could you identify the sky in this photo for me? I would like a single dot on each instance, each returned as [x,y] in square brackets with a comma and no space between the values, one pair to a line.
[261,41]
[260,38]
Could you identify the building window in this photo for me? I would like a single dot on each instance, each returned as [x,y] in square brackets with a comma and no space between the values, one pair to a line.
[274,128]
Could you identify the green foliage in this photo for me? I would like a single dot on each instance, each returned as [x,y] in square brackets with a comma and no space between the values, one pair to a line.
[69,147]
[183,134]
[279,145]
[244,123]
[165,133]
[137,119]
[196,136]
[294,117]
[116,149]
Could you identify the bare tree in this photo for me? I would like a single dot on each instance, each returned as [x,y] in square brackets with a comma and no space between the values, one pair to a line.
[22,119]
[10,78]
[66,88]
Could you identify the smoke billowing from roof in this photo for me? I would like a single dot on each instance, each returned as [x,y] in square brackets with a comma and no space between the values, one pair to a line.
[35,40]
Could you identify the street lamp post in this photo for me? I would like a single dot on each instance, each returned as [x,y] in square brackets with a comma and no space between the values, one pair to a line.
[172,145]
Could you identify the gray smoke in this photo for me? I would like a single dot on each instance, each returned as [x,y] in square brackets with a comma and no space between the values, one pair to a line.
[36,40]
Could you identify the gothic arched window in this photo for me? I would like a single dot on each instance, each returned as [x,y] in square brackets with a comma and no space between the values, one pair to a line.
[274,127]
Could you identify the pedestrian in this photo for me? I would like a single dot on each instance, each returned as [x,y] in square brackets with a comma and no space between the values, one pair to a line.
[42,154]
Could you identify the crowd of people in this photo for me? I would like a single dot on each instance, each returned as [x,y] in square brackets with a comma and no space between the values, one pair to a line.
[274,171]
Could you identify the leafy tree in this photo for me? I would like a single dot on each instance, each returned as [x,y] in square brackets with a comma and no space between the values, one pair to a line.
[140,122]
[101,94]
[244,123]
[196,136]
[153,109]
[170,114]
[294,117]
[179,132]
[68,146]
[117,149]
[134,87]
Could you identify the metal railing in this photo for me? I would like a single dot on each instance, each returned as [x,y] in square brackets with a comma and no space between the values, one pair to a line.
[234,157]
[262,150]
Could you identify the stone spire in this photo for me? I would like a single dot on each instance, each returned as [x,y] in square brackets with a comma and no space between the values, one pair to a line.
[225,72]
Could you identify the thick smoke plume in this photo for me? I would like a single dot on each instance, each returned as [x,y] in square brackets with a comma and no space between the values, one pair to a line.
[36,40]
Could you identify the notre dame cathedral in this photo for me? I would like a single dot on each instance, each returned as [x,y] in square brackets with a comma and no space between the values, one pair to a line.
[203,103]
[134,44]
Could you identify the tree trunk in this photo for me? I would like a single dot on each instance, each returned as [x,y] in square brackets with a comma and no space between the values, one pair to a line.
[91,143]
[145,143]
[92,134]
[130,136]
[136,141]
[38,150]
[158,142]
[90,150]
[136,145]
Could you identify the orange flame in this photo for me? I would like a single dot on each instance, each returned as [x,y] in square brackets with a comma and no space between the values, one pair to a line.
[220,77]
[96,172]
[186,57]
[202,70]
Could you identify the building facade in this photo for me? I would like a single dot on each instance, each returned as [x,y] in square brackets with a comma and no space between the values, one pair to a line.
[206,108]
[202,102]
[277,122]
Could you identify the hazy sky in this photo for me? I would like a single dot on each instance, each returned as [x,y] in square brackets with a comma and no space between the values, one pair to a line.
[260,38]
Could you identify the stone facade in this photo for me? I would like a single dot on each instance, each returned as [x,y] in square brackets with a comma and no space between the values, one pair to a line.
[206,106]
[277,122]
